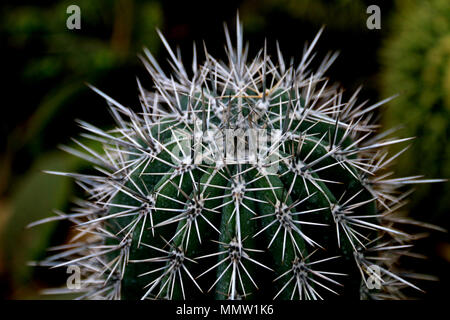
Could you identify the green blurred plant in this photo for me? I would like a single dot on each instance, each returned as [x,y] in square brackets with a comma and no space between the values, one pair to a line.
[416,63]
[33,197]
[57,61]
[54,64]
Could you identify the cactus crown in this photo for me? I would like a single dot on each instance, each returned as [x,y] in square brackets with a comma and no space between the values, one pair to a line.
[247,179]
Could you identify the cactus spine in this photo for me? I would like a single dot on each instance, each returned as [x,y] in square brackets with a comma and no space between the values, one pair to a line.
[179,211]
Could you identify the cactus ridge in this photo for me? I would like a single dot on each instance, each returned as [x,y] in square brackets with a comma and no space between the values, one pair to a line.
[309,215]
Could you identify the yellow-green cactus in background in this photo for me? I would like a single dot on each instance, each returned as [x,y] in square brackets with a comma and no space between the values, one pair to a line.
[416,59]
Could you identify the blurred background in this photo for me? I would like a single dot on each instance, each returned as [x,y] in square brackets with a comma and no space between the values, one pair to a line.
[46,68]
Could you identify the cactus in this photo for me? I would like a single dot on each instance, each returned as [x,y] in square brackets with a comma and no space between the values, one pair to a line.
[249,179]
[416,63]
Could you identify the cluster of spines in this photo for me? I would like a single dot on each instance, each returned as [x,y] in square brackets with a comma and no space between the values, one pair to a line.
[144,186]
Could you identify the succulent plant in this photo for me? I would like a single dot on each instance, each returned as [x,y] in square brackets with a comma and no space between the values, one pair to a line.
[418,66]
[245,179]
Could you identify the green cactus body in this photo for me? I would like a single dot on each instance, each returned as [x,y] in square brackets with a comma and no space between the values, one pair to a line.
[183,209]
